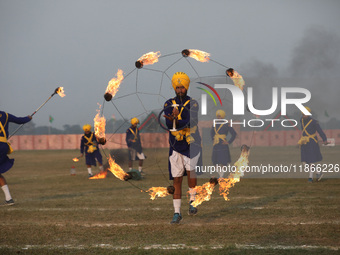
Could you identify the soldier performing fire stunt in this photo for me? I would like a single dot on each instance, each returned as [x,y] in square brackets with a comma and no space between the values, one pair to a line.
[5,148]
[89,145]
[310,150]
[181,113]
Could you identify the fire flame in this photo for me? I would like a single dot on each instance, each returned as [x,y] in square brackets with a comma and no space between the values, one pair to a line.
[150,58]
[101,175]
[99,124]
[157,192]
[227,183]
[117,170]
[114,83]
[237,78]
[60,91]
[203,193]
[75,159]
[199,55]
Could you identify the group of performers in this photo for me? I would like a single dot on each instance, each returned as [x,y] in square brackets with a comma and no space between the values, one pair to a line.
[185,152]
[181,114]
[89,146]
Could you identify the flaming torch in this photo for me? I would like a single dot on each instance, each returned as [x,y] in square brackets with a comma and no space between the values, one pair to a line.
[199,55]
[101,175]
[227,183]
[113,86]
[147,59]
[118,171]
[75,159]
[160,191]
[157,192]
[59,91]
[236,77]
[99,127]
[203,193]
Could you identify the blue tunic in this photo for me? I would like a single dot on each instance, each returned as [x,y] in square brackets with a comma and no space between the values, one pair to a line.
[189,115]
[90,157]
[5,162]
[136,144]
[221,153]
[310,152]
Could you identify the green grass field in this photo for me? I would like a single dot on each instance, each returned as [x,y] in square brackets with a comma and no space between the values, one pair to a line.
[56,213]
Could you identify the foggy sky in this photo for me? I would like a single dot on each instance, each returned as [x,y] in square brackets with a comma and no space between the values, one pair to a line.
[81,44]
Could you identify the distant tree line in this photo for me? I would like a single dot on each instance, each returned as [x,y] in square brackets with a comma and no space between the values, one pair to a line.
[120,126]
[30,128]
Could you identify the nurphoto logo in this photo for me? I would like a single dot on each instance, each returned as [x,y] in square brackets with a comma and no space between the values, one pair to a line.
[239,105]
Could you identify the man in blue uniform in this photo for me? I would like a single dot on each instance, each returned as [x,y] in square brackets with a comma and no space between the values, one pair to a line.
[5,148]
[310,150]
[134,144]
[89,145]
[181,113]
[219,133]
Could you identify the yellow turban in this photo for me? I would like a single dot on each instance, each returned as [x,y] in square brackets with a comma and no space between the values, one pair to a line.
[87,127]
[180,79]
[220,113]
[134,121]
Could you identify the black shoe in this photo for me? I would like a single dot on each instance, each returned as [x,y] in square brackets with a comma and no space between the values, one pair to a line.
[176,219]
[9,202]
[192,210]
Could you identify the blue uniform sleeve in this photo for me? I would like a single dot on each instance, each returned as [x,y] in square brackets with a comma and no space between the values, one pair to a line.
[233,134]
[194,108]
[319,130]
[128,137]
[18,120]
[82,145]
[168,111]
[212,133]
[138,137]
[185,121]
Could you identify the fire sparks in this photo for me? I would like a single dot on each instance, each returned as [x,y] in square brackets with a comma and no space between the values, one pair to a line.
[157,192]
[117,170]
[236,77]
[199,55]
[227,183]
[203,193]
[99,125]
[60,91]
[101,175]
[75,159]
[114,83]
[149,58]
